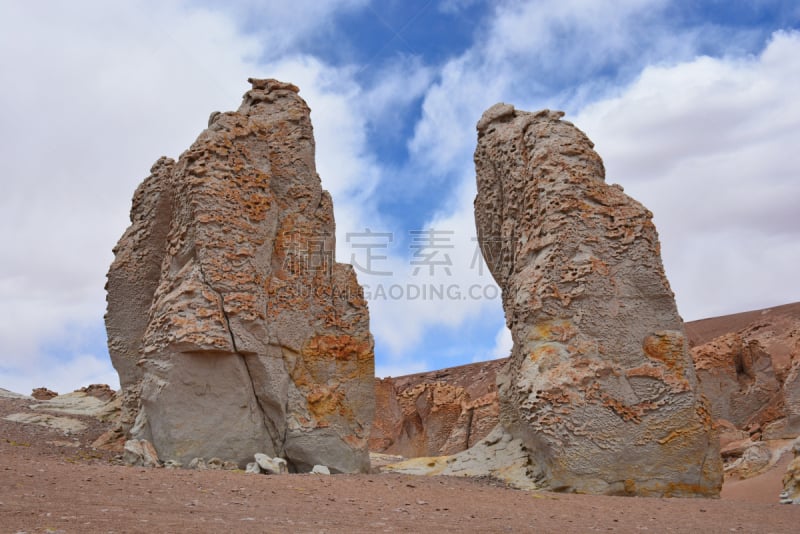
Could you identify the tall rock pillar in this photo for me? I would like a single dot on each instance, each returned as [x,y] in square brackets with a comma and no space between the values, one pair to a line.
[232,327]
[600,388]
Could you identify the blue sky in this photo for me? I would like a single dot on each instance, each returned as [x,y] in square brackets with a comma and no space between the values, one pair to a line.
[691,104]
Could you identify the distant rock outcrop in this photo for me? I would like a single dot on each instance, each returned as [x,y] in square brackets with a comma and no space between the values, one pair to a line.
[43,394]
[751,374]
[233,329]
[600,387]
[437,413]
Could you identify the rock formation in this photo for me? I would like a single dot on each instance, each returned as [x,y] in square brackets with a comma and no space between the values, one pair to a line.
[43,394]
[232,328]
[437,413]
[791,480]
[751,374]
[738,377]
[600,387]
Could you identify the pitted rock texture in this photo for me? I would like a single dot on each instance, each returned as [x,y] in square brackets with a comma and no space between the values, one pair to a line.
[233,329]
[435,413]
[600,387]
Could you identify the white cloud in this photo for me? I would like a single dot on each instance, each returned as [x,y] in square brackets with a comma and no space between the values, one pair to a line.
[282,25]
[100,91]
[446,292]
[535,29]
[707,145]
[99,94]
[502,343]
[703,142]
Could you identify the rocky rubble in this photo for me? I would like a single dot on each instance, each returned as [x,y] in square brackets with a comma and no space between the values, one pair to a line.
[231,326]
[600,388]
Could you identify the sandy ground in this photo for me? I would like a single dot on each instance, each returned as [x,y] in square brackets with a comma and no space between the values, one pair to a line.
[50,482]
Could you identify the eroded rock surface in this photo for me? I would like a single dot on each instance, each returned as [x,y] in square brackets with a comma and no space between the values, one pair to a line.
[751,375]
[436,413]
[233,329]
[791,480]
[600,388]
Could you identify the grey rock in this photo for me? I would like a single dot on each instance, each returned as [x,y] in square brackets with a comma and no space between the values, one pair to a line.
[198,463]
[231,325]
[271,466]
[253,468]
[600,388]
[320,470]
[140,453]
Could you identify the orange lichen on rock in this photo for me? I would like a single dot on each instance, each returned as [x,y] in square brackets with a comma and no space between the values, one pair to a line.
[600,371]
[232,327]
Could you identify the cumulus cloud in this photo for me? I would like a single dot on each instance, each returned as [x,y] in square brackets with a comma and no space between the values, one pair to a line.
[100,90]
[99,94]
[701,141]
[707,145]
[440,279]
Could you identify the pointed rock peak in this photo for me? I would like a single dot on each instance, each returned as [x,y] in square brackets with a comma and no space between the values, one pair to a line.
[229,334]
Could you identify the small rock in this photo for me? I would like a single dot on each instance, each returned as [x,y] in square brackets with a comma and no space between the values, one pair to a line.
[140,453]
[320,470]
[198,463]
[214,463]
[172,464]
[253,469]
[271,466]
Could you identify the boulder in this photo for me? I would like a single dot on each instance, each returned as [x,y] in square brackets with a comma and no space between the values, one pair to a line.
[738,377]
[231,325]
[320,470]
[43,394]
[271,466]
[140,453]
[754,459]
[600,389]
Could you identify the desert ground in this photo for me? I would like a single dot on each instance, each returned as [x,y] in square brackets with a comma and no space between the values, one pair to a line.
[56,482]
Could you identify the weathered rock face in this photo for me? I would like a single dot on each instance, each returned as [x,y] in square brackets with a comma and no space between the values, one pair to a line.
[738,378]
[600,387]
[733,372]
[791,480]
[233,329]
[751,375]
[437,413]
